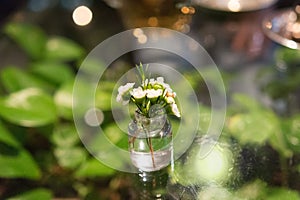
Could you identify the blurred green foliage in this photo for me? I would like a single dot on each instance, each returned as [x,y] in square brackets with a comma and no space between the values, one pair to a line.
[287,78]
[263,145]
[38,140]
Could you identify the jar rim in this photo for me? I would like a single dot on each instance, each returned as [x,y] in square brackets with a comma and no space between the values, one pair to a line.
[147,126]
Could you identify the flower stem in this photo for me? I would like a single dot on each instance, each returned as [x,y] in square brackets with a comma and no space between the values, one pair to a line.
[151,150]
[149,142]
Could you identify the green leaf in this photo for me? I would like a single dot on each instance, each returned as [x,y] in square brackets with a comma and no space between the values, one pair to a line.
[116,136]
[39,193]
[65,136]
[252,191]
[104,95]
[56,73]
[281,194]
[70,157]
[59,48]
[15,79]
[278,142]
[253,123]
[253,127]
[246,102]
[291,132]
[114,133]
[30,107]
[260,190]
[287,55]
[7,137]
[82,102]
[16,162]
[63,99]
[205,119]
[101,147]
[93,168]
[29,37]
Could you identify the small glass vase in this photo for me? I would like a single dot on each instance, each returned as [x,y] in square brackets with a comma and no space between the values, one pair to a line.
[150,142]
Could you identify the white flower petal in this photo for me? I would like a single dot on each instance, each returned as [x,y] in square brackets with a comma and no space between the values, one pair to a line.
[123,92]
[170,100]
[160,80]
[152,81]
[175,110]
[119,98]
[125,88]
[152,93]
[138,93]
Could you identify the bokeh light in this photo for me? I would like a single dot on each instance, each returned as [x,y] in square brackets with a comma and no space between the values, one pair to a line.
[82,16]
[215,166]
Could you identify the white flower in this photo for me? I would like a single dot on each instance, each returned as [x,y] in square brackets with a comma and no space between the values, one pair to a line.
[160,80]
[125,88]
[119,98]
[123,93]
[167,87]
[152,81]
[152,93]
[170,100]
[175,110]
[138,93]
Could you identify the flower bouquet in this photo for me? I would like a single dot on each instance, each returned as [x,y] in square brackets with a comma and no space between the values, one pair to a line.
[150,132]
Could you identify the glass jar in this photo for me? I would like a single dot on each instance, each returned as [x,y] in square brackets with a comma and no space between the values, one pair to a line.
[150,141]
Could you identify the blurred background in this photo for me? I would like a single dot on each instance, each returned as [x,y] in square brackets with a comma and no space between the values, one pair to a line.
[255,45]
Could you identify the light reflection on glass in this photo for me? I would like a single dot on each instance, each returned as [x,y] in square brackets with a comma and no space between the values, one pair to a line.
[140,36]
[292,44]
[137,32]
[182,25]
[142,39]
[234,5]
[82,16]
[269,25]
[185,10]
